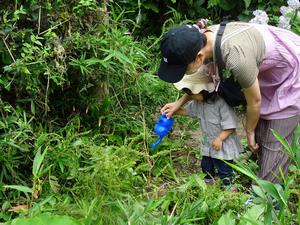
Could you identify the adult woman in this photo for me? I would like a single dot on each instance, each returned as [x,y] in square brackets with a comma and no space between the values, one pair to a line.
[265,60]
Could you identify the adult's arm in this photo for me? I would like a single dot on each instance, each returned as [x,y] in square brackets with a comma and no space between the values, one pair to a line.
[253,99]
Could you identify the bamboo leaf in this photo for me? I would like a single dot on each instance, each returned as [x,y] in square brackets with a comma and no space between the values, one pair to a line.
[295,146]
[268,215]
[247,3]
[282,141]
[21,188]
[275,190]
[242,169]
[37,162]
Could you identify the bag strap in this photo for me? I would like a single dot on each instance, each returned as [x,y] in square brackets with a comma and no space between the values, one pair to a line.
[219,61]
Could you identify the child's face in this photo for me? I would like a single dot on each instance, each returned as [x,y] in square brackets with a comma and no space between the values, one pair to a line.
[197,97]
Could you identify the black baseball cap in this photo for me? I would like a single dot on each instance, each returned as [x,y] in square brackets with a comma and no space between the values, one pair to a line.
[179,47]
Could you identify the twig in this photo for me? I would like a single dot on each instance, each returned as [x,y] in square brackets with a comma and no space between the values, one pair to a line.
[150,164]
[106,16]
[115,94]
[39,23]
[46,97]
[11,55]
[173,210]
[6,86]
[51,28]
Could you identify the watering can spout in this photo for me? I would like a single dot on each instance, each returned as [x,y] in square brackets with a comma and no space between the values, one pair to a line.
[153,145]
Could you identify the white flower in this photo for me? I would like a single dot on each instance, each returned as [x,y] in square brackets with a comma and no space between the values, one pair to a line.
[285,10]
[294,4]
[284,22]
[261,17]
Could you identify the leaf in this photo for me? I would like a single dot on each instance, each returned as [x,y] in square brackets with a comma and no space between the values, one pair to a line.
[93,61]
[32,107]
[268,215]
[77,142]
[5,205]
[241,168]
[153,204]
[295,146]
[294,150]
[253,216]
[247,3]
[212,3]
[24,189]
[25,70]
[227,4]
[275,190]
[46,219]
[152,6]
[227,219]
[37,162]
[282,141]
[298,211]
[258,190]
[53,181]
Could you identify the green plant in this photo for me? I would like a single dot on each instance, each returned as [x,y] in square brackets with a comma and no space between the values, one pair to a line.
[293,149]
[272,196]
[45,219]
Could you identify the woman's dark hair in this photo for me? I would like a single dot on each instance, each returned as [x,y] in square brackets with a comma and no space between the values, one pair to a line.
[202,24]
[187,91]
[209,97]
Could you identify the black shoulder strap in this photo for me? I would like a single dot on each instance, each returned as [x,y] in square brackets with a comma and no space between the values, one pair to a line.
[218,54]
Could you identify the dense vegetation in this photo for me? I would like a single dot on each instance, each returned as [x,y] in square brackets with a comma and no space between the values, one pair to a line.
[78,100]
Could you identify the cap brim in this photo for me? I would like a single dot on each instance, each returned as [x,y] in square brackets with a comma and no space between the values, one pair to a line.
[196,82]
[195,88]
[171,73]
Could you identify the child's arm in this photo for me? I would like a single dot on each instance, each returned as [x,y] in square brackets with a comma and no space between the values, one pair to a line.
[176,107]
[181,111]
[217,142]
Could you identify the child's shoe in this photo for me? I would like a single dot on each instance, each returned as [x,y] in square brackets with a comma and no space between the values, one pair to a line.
[231,189]
[209,181]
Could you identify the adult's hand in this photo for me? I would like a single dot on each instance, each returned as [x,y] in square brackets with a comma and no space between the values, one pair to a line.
[254,147]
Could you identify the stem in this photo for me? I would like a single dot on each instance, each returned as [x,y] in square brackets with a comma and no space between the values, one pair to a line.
[11,55]
[57,25]
[39,23]
[46,97]
[295,15]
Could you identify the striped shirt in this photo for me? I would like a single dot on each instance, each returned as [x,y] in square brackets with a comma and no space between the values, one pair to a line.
[243,49]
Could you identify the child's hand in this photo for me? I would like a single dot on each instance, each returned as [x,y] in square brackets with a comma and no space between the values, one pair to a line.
[169,109]
[217,143]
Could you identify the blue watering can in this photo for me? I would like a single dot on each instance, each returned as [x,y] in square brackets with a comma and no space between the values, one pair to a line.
[162,128]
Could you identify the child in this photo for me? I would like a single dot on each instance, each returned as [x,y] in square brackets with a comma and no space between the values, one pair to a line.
[217,120]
